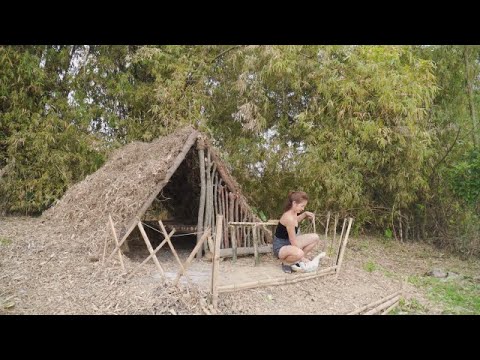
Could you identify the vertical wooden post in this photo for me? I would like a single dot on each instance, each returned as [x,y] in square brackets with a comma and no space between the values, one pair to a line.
[344,245]
[208,193]
[226,218]
[216,262]
[221,201]
[326,226]
[215,201]
[335,224]
[337,253]
[255,244]
[116,242]
[233,234]
[201,206]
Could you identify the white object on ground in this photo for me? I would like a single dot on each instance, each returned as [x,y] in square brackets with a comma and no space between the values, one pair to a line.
[312,266]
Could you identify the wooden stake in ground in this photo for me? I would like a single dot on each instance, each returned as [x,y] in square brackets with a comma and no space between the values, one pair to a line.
[151,255]
[169,241]
[120,255]
[150,249]
[216,262]
[344,245]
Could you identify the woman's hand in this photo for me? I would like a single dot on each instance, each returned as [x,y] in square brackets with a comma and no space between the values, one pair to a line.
[309,215]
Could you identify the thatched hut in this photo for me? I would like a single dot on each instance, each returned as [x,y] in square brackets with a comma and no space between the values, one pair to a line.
[179,179]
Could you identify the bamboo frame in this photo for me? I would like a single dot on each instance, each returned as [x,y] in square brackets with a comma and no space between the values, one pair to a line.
[149,256]
[169,241]
[255,245]
[216,262]
[375,303]
[344,245]
[337,253]
[284,280]
[201,206]
[150,249]
[120,255]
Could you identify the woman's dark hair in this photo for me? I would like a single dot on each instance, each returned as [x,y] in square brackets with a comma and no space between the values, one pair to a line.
[297,196]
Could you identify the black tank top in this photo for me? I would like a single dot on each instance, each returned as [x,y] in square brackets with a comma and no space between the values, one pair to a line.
[281,231]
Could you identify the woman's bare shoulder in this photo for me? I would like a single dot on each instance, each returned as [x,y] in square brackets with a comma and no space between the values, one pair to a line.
[287,220]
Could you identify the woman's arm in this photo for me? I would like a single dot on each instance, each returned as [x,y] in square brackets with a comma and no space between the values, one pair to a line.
[301,216]
[305,214]
[290,225]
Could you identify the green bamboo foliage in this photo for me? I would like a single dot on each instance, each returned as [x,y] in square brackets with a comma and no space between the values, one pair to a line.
[381,132]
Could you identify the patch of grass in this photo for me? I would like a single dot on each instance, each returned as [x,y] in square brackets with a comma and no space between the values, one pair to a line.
[412,306]
[369,266]
[5,241]
[458,296]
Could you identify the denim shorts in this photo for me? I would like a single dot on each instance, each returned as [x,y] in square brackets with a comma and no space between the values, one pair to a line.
[278,243]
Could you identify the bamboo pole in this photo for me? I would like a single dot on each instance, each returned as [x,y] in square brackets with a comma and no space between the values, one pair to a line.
[257,223]
[208,209]
[237,218]
[393,306]
[375,303]
[215,201]
[326,226]
[337,253]
[150,256]
[245,251]
[216,262]
[335,223]
[150,249]
[231,203]
[201,206]
[234,243]
[169,241]
[344,245]
[112,226]
[381,307]
[225,222]
[212,197]
[284,280]
[255,245]
[222,203]
[191,256]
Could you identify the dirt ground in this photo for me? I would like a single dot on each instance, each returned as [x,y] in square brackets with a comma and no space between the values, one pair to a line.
[43,272]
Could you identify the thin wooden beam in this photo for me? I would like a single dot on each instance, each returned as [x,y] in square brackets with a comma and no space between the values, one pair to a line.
[284,280]
[151,255]
[120,255]
[150,249]
[169,241]
[216,262]
[344,245]
[201,206]
[375,303]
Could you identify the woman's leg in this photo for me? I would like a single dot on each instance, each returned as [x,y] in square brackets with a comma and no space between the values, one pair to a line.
[290,254]
[308,241]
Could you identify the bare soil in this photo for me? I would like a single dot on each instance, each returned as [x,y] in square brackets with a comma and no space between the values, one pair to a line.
[43,271]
